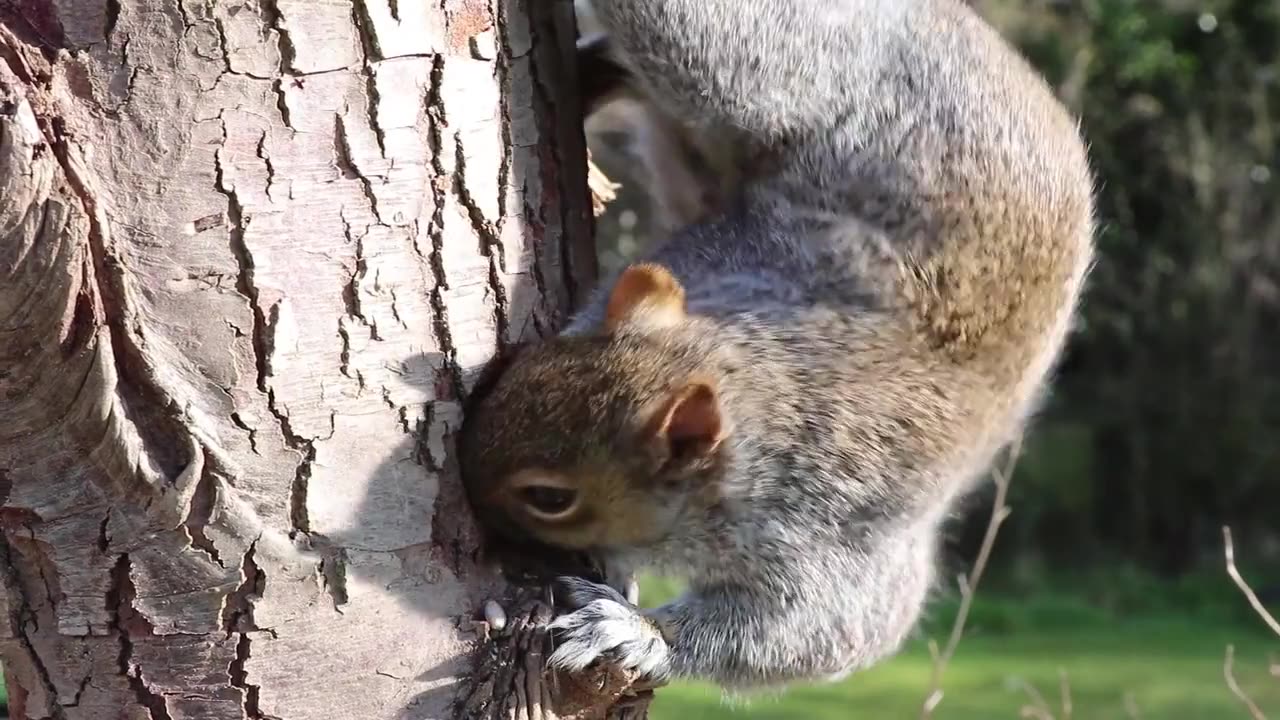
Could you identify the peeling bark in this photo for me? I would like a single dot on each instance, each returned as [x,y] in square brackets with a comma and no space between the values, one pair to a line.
[253,256]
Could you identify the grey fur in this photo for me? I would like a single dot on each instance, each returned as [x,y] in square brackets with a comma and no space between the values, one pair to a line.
[881,305]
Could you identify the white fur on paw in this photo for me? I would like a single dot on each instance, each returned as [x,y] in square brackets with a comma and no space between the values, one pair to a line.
[617,632]
[578,593]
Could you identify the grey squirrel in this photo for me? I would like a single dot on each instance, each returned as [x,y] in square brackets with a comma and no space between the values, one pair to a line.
[782,401]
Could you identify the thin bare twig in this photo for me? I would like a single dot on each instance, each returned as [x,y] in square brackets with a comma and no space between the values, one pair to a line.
[1131,708]
[968,586]
[1066,693]
[1229,551]
[1039,708]
[1228,672]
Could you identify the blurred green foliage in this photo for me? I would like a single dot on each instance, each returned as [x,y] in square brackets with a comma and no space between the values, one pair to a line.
[1165,423]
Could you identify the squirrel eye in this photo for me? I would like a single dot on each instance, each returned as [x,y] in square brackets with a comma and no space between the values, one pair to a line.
[548,501]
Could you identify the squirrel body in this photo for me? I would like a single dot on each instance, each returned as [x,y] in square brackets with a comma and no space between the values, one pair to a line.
[783,400]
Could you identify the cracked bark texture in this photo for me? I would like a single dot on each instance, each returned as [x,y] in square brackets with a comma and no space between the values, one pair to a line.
[253,254]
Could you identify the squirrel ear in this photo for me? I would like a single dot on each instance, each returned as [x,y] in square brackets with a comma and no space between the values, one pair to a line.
[646,292]
[691,422]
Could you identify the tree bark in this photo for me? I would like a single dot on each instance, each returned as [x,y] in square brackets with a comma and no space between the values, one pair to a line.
[253,255]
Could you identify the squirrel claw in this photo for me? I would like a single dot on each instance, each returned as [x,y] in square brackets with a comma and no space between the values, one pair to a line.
[604,625]
[576,593]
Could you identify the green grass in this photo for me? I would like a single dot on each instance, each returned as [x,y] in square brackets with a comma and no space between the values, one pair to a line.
[1167,654]
[1171,664]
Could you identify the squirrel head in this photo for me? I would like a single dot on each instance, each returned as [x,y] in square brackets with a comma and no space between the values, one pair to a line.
[598,440]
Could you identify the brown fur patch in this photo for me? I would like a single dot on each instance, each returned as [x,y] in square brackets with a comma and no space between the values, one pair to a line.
[648,289]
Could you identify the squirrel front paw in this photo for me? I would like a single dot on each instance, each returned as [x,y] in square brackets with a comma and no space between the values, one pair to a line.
[604,624]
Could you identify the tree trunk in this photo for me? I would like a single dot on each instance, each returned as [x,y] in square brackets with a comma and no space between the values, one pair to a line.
[252,256]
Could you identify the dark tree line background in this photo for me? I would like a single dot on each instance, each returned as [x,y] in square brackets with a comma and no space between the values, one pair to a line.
[1165,421]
